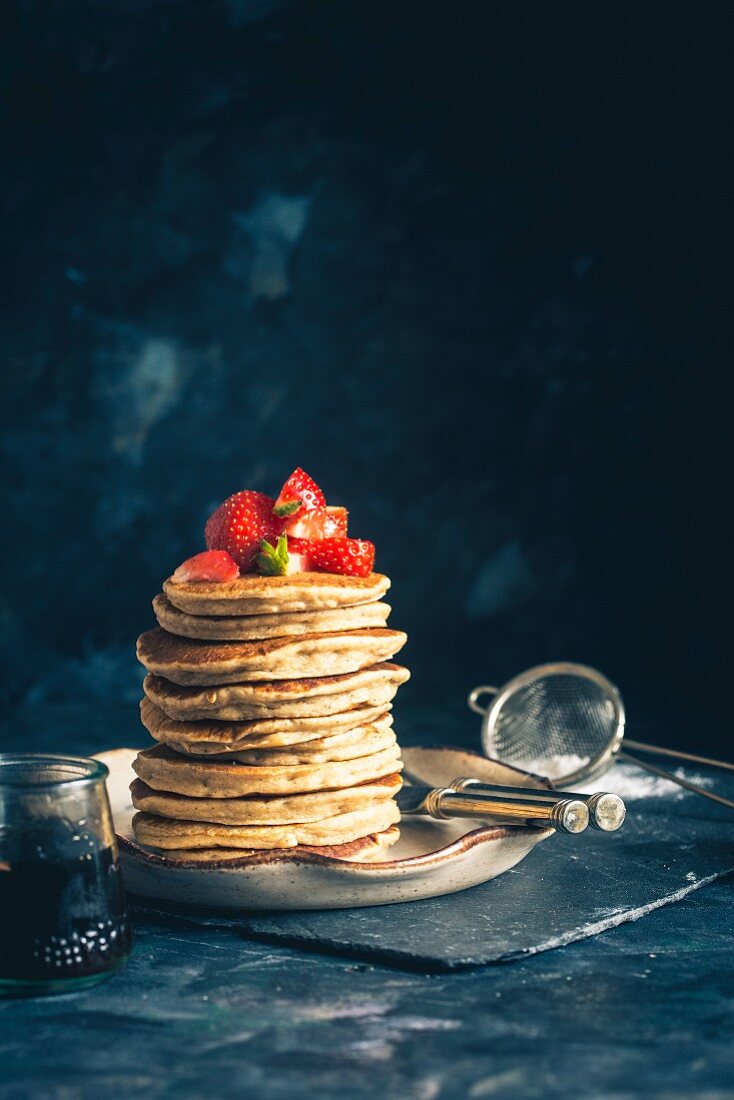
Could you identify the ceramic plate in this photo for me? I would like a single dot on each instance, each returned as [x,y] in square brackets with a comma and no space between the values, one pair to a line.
[431,857]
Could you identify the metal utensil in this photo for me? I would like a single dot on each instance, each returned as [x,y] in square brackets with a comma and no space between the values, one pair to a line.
[566,721]
[567,815]
[606,811]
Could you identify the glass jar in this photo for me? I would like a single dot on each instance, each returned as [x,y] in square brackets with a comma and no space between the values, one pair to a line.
[63,919]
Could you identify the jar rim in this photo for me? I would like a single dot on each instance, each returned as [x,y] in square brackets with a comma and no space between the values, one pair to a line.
[89,771]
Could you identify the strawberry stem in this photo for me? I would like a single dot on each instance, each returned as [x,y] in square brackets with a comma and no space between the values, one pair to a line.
[273,560]
[289,508]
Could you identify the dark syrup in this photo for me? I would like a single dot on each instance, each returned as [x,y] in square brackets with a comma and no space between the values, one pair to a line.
[62,918]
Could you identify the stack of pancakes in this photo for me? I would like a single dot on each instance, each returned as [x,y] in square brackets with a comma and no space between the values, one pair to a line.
[270,701]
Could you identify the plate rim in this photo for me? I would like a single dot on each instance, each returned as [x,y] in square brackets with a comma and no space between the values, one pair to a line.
[297,855]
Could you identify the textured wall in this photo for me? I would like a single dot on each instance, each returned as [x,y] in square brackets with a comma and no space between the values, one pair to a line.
[455,263]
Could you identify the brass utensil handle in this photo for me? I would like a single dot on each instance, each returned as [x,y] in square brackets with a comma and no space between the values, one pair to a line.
[566,815]
[606,811]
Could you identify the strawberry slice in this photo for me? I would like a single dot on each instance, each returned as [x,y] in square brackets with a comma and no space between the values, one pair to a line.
[210,565]
[349,557]
[299,553]
[299,494]
[321,523]
[286,557]
[240,524]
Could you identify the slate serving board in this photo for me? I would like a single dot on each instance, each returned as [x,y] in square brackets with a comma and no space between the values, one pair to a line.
[568,889]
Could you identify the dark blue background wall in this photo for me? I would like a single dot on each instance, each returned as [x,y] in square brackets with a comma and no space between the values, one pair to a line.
[468,264]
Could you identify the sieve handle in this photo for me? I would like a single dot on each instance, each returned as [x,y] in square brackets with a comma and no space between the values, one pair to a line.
[677,779]
[658,750]
[476,694]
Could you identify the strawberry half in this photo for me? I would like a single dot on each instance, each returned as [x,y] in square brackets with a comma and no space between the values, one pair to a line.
[300,493]
[210,565]
[240,524]
[321,523]
[349,557]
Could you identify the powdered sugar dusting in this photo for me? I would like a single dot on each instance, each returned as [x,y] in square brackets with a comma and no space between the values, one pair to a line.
[553,766]
[629,781]
[625,779]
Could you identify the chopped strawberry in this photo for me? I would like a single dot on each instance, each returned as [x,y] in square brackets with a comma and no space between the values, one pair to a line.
[288,556]
[321,523]
[299,494]
[350,557]
[300,556]
[210,565]
[299,563]
[240,524]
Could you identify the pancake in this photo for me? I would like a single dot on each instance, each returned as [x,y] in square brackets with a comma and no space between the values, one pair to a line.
[187,661]
[164,832]
[323,750]
[257,595]
[365,850]
[264,809]
[255,627]
[317,696]
[209,736]
[165,770]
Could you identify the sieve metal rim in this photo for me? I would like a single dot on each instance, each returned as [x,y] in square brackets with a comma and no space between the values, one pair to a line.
[595,766]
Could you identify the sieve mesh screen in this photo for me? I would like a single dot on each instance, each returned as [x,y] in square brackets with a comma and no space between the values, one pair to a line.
[554,725]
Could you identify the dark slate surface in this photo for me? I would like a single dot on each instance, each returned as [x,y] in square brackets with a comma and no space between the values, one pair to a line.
[644,1010]
[567,889]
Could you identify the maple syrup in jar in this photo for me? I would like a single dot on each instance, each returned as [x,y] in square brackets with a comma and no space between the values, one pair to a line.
[63,917]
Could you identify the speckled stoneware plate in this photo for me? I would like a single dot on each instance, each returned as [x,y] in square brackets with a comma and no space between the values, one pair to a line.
[431,858]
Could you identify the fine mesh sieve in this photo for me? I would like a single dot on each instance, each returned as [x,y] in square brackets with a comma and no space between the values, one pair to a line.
[566,722]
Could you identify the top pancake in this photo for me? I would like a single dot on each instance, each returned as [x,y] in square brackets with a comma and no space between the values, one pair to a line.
[254,594]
